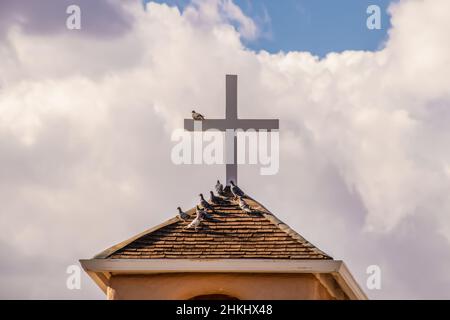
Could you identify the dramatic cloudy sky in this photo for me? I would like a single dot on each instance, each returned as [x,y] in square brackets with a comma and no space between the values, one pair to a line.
[86,118]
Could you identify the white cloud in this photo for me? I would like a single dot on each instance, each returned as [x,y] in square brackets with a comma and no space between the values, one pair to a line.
[210,13]
[247,27]
[85,140]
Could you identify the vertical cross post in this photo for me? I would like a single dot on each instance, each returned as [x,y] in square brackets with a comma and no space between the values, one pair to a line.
[230,135]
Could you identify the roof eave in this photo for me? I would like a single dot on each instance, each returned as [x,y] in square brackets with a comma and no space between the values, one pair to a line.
[100,269]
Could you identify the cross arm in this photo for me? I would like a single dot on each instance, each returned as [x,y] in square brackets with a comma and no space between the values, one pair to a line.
[244,124]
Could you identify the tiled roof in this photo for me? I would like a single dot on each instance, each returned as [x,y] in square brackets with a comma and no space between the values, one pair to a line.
[230,233]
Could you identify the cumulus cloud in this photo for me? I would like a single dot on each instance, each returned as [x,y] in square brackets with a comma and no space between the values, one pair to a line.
[85,127]
[213,12]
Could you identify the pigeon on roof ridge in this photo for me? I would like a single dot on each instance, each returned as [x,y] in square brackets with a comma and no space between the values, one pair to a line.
[205,204]
[237,192]
[201,212]
[219,188]
[195,223]
[182,215]
[216,200]
[201,215]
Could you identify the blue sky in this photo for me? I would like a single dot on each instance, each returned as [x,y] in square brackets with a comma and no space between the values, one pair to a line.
[317,26]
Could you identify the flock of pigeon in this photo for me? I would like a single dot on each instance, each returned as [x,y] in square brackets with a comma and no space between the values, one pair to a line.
[202,210]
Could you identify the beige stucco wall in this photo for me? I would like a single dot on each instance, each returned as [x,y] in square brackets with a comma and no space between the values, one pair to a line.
[239,285]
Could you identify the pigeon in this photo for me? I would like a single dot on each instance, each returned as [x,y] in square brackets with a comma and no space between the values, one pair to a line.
[201,213]
[237,192]
[205,204]
[219,189]
[215,200]
[182,215]
[195,223]
[197,116]
[244,205]
[200,216]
